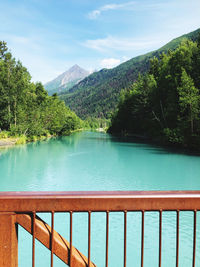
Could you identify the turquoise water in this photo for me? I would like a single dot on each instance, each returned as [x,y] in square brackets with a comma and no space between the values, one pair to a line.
[97,161]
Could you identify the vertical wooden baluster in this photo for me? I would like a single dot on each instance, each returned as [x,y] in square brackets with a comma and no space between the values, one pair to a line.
[160,237]
[142,240]
[52,236]
[125,235]
[33,240]
[194,237]
[177,237]
[107,236]
[8,239]
[89,236]
[70,262]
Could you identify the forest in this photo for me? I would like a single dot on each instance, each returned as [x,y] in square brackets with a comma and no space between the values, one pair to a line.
[25,107]
[164,104]
[97,95]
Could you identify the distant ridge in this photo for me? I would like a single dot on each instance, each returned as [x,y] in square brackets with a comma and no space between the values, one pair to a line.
[66,80]
[97,95]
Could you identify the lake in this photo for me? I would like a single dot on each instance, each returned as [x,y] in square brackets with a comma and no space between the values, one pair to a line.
[98,161]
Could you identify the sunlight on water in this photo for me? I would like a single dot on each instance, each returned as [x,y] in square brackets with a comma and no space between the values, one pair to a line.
[97,161]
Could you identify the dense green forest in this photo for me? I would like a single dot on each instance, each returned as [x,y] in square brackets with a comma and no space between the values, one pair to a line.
[164,104]
[25,107]
[97,95]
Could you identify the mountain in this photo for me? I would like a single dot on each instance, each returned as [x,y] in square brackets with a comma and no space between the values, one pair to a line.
[97,95]
[66,80]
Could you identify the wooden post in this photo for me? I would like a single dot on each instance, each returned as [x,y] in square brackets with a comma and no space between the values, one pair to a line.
[8,240]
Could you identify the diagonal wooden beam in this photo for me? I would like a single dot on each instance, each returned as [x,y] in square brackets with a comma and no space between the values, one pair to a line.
[61,245]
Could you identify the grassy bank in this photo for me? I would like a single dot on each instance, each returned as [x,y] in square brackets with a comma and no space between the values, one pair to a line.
[7,139]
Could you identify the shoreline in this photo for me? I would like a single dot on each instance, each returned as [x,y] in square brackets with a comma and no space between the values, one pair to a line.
[101,130]
[21,140]
[7,142]
[157,142]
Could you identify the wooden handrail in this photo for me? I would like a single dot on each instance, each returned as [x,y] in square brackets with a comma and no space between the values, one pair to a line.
[21,208]
[99,201]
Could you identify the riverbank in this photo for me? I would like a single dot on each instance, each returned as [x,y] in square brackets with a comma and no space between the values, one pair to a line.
[158,142]
[12,141]
[102,130]
[6,140]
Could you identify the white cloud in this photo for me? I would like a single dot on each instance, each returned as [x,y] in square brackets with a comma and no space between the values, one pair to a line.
[125,58]
[97,12]
[123,44]
[109,63]
[32,52]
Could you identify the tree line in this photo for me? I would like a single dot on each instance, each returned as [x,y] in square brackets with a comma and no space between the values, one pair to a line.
[164,104]
[25,107]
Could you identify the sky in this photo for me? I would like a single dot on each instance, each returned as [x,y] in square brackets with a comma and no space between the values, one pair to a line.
[50,36]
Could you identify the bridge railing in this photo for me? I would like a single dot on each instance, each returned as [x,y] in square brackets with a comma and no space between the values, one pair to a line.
[20,208]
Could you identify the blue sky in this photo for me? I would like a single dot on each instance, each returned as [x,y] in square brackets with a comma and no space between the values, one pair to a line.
[49,36]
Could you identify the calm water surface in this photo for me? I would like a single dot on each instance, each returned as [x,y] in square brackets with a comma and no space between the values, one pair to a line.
[97,161]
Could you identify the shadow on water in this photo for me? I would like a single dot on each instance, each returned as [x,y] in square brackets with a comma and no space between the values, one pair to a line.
[144,143]
[123,141]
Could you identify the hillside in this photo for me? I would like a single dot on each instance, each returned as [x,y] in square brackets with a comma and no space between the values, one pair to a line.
[164,104]
[66,80]
[97,95]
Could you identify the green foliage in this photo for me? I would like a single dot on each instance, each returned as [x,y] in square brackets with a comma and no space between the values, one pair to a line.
[25,107]
[97,95]
[21,140]
[72,123]
[189,99]
[173,136]
[165,103]
[4,134]
[96,123]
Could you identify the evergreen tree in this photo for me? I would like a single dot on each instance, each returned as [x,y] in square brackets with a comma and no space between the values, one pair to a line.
[165,103]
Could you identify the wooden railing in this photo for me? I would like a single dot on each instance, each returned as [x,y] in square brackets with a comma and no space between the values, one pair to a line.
[20,208]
